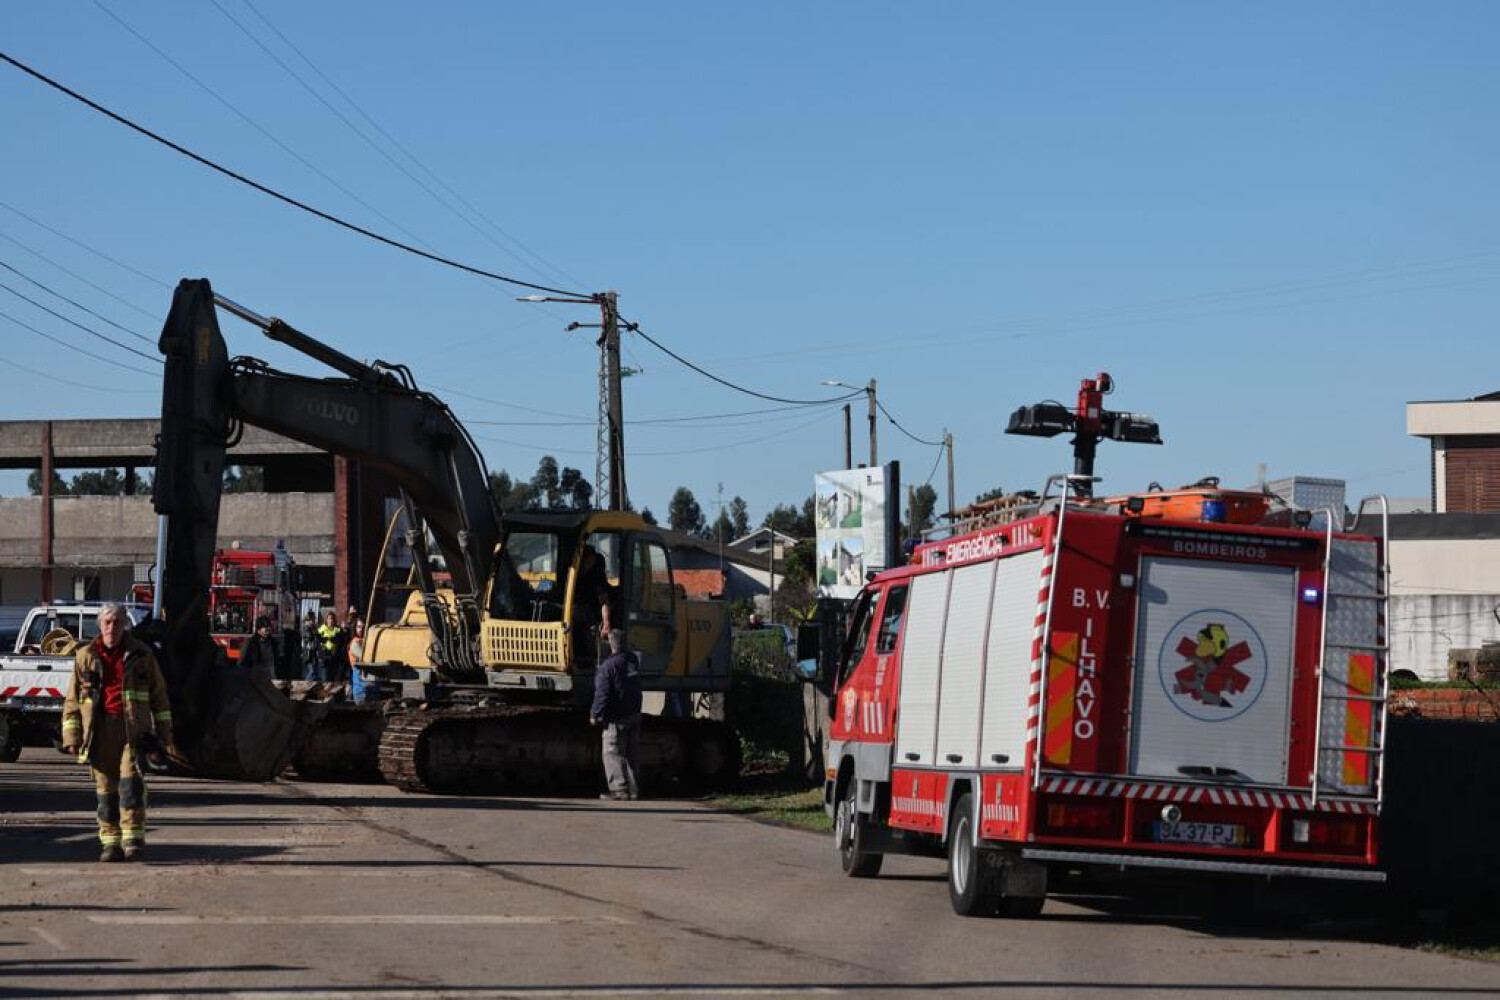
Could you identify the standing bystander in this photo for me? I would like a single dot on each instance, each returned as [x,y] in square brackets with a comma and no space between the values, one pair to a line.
[359,685]
[260,655]
[617,707]
[115,711]
[310,647]
[332,649]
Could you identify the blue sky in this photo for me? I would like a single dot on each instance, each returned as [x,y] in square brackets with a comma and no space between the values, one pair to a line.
[1274,224]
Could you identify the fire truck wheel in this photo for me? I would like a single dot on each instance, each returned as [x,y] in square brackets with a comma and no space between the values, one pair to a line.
[970,880]
[849,834]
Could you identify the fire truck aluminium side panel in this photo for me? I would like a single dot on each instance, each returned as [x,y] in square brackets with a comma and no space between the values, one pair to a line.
[961,696]
[921,670]
[1015,627]
[1354,628]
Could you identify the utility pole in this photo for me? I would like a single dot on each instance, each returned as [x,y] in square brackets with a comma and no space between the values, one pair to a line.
[771,594]
[609,449]
[948,444]
[848,440]
[869,391]
[609,346]
[719,530]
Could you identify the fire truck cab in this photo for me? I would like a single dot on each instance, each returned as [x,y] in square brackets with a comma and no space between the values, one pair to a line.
[1088,685]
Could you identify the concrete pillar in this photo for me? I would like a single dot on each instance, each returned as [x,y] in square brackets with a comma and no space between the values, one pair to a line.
[46,511]
[344,516]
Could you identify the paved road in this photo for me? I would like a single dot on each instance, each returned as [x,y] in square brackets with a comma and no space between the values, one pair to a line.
[318,890]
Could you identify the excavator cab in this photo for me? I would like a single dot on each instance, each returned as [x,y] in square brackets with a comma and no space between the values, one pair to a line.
[570,566]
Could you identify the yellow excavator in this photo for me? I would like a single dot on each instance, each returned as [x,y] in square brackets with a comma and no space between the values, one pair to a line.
[483,683]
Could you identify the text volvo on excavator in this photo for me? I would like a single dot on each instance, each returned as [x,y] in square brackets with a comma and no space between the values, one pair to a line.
[483,682]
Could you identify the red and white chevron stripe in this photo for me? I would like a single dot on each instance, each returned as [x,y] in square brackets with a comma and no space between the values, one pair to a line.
[1151,792]
[1038,634]
[36,692]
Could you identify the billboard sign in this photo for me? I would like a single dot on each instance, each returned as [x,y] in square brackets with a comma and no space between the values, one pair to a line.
[857,519]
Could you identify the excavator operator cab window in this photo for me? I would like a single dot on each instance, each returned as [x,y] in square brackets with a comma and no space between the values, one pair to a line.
[534,555]
[536,558]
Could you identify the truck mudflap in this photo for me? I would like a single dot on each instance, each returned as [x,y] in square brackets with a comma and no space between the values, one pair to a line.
[256,732]
[1200,865]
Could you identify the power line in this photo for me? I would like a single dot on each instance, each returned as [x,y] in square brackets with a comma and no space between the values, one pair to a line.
[75,275]
[938,461]
[115,362]
[76,305]
[58,378]
[636,328]
[656,454]
[88,330]
[78,243]
[735,444]
[709,424]
[375,146]
[661,421]
[286,199]
[258,126]
[895,423]
[567,417]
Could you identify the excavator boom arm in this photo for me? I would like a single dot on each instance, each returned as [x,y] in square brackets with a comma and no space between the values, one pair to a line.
[367,414]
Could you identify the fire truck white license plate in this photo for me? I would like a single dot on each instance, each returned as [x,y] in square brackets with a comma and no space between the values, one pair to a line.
[1224,834]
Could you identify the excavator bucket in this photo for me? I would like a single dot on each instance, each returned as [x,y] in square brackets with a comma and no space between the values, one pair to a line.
[256,732]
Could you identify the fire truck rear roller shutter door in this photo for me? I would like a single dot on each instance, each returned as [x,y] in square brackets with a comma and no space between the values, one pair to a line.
[1008,660]
[1225,703]
[921,663]
[960,693]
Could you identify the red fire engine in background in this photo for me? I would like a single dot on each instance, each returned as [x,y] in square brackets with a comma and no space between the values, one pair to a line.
[246,584]
[1195,684]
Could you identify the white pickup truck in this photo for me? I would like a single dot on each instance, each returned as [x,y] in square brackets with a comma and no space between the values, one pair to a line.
[33,683]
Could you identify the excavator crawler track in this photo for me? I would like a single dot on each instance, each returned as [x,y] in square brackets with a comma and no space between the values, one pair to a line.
[519,748]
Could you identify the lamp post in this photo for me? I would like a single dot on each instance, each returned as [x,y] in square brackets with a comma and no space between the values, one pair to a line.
[869,391]
[609,452]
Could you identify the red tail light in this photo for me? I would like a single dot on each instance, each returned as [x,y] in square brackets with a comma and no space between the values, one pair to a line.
[1327,832]
[1081,818]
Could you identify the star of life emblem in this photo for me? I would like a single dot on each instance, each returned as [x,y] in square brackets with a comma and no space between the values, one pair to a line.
[1213,665]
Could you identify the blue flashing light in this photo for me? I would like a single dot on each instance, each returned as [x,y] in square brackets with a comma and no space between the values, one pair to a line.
[1213,510]
[1310,595]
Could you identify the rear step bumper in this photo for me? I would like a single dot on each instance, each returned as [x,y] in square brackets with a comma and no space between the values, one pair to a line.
[1202,865]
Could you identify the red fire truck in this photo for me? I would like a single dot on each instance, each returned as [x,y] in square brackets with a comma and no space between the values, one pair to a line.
[246,584]
[1095,685]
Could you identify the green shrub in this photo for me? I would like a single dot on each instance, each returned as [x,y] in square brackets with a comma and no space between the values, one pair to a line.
[765,702]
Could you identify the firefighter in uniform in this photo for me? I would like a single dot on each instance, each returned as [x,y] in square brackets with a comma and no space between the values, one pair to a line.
[116,710]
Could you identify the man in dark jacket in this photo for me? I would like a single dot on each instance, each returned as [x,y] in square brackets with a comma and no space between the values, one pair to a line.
[260,655]
[617,707]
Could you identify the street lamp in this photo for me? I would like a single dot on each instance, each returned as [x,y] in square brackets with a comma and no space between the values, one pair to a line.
[869,391]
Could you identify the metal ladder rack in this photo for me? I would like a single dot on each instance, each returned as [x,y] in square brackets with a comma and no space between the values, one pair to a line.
[1378,698]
